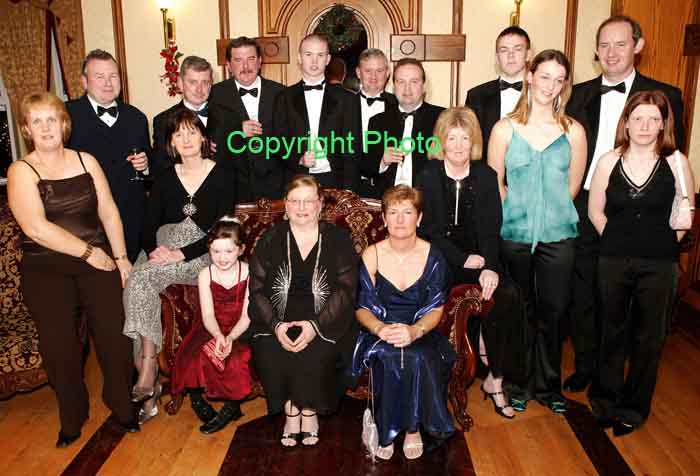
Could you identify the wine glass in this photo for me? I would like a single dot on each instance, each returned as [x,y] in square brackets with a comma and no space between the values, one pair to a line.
[138,176]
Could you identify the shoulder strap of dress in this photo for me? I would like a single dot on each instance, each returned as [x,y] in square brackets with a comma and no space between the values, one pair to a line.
[31,167]
[211,279]
[81,161]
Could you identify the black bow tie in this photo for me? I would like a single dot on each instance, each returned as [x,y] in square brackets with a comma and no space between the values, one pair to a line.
[371,101]
[620,88]
[503,85]
[112,111]
[204,112]
[253,92]
[406,115]
[308,87]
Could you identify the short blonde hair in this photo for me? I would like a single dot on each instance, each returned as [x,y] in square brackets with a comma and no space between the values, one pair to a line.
[400,193]
[45,99]
[464,118]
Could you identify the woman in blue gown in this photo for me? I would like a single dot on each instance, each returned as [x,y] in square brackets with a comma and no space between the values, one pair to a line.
[403,287]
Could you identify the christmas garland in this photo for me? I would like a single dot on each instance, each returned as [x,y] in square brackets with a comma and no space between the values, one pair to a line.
[341,27]
[172,69]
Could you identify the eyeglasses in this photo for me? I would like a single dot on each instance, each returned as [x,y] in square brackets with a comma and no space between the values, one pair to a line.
[306,203]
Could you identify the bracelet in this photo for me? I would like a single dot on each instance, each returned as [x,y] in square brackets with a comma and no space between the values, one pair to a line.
[120,257]
[376,328]
[87,253]
[422,330]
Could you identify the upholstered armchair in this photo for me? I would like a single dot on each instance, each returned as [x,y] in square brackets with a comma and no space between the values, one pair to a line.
[362,218]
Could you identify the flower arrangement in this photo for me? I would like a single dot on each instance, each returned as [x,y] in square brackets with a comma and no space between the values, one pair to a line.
[172,69]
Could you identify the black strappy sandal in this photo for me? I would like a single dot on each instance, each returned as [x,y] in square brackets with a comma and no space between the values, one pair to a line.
[296,437]
[308,434]
[498,409]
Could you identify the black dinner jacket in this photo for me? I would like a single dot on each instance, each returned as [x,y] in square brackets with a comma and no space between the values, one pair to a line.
[111,146]
[255,176]
[338,114]
[390,122]
[487,208]
[485,100]
[389,102]
[584,106]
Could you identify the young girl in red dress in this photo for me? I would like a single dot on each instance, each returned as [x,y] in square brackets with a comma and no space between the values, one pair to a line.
[211,359]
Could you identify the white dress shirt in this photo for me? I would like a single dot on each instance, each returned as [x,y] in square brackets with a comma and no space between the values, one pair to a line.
[404,170]
[251,102]
[314,102]
[106,117]
[509,98]
[194,108]
[611,105]
[368,112]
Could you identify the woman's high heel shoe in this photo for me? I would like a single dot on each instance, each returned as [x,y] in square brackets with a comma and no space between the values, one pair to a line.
[139,394]
[144,415]
[498,409]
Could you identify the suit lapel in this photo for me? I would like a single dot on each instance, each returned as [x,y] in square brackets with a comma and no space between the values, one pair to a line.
[299,104]
[328,107]
[233,102]
[492,106]
[265,105]
[592,109]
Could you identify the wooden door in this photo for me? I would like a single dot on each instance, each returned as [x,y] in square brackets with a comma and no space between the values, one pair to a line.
[295,19]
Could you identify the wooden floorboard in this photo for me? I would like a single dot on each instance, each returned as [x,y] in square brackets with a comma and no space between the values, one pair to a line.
[536,442]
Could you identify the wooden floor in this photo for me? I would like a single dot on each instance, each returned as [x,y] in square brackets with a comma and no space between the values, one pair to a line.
[536,442]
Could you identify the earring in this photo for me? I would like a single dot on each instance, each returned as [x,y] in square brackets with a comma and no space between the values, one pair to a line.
[285,216]
[529,100]
[557,103]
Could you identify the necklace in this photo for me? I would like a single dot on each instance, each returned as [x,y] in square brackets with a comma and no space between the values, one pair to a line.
[401,259]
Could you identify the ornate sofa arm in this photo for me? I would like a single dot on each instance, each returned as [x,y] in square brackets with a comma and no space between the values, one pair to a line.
[180,311]
[463,302]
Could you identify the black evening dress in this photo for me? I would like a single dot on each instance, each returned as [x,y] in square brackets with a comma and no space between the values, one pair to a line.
[320,289]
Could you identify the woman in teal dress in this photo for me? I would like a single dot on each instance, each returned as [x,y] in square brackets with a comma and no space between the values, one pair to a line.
[403,287]
[539,154]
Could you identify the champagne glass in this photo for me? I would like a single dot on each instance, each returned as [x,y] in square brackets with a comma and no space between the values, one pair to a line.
[138,176]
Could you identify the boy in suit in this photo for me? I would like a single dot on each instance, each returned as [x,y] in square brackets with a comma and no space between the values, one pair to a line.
[492,100]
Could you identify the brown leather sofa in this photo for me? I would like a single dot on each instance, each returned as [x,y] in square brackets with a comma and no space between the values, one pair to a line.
[362,217]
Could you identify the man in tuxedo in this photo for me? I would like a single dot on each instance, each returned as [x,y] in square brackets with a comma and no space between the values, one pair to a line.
[318,119]
[195,82]
[597,104]
[116,133]
[397,139]
[373,73]
[495,99]
[241,108]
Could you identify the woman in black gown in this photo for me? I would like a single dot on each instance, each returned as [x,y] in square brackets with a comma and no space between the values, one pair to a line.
[462,216]
[303,279]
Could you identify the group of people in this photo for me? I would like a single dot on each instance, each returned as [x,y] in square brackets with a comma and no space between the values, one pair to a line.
[531,194]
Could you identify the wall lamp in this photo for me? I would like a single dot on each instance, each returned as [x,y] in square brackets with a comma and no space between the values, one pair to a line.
[515,16]
[168,23]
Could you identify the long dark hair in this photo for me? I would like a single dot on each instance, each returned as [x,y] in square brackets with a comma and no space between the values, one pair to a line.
[184,117]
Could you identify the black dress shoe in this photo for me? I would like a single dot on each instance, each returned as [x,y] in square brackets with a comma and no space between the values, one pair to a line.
[621,428]
[576,382]
[605,423]
[202,409]
[64,440]
[228,413]
[130,426]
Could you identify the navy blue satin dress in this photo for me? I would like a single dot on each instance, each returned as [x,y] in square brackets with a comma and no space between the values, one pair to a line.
[410,385]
